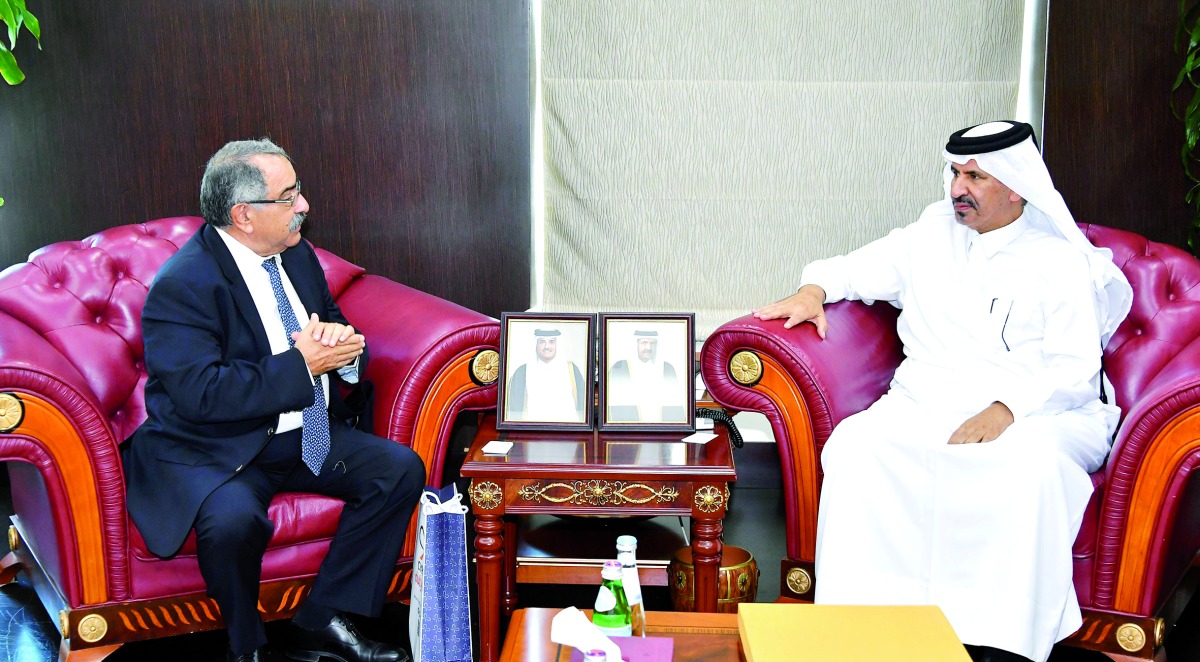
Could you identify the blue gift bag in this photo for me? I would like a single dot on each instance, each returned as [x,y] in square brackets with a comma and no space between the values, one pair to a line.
[439,623]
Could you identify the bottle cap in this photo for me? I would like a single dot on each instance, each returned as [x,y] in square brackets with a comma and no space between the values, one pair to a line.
[611,570]
[626,543]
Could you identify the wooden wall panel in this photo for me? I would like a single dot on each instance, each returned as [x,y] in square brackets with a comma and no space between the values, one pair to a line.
[408,121]
[1111,141]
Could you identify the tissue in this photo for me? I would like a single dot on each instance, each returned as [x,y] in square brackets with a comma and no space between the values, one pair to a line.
[571,628]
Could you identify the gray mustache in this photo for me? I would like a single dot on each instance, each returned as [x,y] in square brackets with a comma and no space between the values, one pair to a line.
[297,221]
[966,199]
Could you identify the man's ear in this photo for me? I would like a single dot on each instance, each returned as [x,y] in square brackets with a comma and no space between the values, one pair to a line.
[240,215]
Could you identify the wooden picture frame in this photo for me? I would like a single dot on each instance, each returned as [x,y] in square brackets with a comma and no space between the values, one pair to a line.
[646,372]
[547,371]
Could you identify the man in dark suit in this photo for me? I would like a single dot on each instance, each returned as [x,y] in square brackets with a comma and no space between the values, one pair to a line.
[244,347]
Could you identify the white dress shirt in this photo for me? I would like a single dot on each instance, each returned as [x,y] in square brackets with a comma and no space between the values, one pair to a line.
[258,282]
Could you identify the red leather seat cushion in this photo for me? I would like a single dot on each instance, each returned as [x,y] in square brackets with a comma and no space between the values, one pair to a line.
[304,525]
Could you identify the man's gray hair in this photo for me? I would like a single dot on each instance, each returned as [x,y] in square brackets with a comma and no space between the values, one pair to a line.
[230,178]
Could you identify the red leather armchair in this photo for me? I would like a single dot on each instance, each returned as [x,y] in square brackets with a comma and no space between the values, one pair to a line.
[1135,557]
[71,389]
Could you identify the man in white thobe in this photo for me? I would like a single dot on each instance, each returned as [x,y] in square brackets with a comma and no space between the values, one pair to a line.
[547,389]
[965,485]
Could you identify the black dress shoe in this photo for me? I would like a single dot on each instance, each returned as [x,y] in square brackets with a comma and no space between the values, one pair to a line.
[341,641]
[259,655]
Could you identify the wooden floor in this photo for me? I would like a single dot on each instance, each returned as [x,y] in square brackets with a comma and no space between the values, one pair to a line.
[755,522]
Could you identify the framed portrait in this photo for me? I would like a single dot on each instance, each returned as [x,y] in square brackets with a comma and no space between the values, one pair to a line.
[646,372]
[546,371]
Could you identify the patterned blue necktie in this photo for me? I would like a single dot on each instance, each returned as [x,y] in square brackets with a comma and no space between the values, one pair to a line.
[314,447]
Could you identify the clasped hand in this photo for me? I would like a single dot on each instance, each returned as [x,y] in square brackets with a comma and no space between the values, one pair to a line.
[328,345]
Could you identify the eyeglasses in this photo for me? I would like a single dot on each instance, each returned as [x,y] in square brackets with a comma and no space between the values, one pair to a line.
[284,201]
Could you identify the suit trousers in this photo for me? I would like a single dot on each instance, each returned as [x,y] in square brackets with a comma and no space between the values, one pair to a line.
[380,482]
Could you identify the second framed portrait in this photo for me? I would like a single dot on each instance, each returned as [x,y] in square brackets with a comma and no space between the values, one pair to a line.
[546,371]
[646,371]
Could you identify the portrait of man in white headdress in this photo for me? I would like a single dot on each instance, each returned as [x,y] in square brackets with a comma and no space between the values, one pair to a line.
[643,386]
[549,386]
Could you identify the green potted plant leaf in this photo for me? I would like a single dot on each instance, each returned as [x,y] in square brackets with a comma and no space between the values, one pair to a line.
[1187,40]
[14,15]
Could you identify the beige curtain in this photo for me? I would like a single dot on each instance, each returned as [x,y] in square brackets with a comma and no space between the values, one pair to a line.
[699,153]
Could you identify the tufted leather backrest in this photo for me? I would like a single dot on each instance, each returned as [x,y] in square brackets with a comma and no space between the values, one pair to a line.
[85,299]
[1165,316]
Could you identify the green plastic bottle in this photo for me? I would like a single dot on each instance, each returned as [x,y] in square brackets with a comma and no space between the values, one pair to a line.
[611,613]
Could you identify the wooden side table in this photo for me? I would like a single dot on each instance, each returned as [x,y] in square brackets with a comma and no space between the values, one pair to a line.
[610,474]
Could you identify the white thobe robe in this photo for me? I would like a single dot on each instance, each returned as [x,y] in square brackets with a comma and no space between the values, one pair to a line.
[649,389]
[551,392]
[984,531]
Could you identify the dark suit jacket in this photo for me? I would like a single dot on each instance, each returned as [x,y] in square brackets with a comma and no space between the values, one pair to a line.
[214,391]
